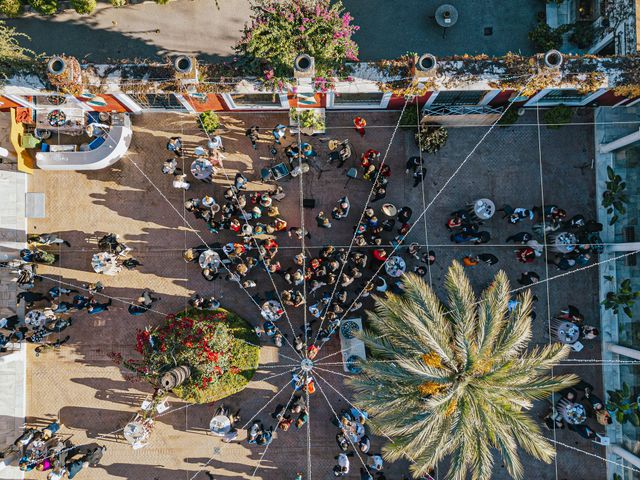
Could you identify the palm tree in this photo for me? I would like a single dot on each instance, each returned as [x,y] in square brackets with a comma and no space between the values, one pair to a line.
[455,381]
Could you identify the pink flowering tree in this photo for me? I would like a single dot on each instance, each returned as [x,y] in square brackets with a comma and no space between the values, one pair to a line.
[280,30]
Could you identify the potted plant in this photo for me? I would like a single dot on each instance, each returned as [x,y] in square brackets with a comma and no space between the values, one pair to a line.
[431,138]
[614,197]
[309,120]
[557,116]
[209,121]
[623,299]
[621,406]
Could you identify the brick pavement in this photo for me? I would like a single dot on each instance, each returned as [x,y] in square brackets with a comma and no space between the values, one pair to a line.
[91,395]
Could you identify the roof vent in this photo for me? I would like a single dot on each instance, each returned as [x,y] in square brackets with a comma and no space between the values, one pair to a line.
[56,65]
[427,63]
[183,64]
[304,66]
[553,59]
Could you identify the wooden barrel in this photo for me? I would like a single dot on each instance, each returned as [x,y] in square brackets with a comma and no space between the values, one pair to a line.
[175,377]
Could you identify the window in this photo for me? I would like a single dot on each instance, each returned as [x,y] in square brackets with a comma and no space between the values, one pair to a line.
[565,95]
[257,99]
[371,98]
[159,101]
[459,97]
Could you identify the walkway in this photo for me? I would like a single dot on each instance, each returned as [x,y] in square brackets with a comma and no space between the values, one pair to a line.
[13,235]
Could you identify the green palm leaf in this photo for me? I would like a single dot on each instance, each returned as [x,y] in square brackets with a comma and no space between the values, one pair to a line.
[457,378]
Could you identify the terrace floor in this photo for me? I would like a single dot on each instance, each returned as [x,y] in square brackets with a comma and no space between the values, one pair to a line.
[133,199]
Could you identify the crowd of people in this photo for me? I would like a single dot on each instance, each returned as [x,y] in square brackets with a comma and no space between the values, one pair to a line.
[46,450]
[569,242]
[330,283]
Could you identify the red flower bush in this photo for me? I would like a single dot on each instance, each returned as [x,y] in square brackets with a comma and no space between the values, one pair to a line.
[212,343]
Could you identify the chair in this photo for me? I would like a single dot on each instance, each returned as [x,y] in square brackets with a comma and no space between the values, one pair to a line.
[577,346]
[266,175]
[29,141]
[351,174]
[279,171]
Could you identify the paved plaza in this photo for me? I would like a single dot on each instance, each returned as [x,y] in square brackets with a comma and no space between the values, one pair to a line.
[523,165]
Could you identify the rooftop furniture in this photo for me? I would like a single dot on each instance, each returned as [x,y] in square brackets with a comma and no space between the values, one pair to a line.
[103,151]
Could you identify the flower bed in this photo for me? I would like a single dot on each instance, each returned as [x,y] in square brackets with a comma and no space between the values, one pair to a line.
[220,348]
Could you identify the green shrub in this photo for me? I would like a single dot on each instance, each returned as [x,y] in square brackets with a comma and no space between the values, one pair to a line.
[10,8]
[162,2]
[45,7]
[557,116]
[583,34]
[546,38]
[509,118]
[220,348]
[432,138]
[209,121]
[83,7]
[409,117]
[307,119]
[118,3]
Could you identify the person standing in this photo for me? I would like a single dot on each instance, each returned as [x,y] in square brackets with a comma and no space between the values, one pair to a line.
[489,258]
[359,123]
[252,133]
[528,278]
[413,164]
[279,132]
[175,145]
[418,176]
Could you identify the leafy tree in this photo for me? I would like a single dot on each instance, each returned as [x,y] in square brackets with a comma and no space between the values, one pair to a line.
[456,380]
[614,198]
[546,38]
[282,29]
[623,299]
[623,408]
[13,56]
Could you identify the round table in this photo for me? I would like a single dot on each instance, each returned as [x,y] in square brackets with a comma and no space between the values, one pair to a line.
[484,208]
[271,310]
[567,332]
[395,266]
[57,118]
[105,262]
[201,169]
[220,425]
[564,242]
[35,319]
[303,168]
[446,15]
[209,259]
[574,413]
[135,432]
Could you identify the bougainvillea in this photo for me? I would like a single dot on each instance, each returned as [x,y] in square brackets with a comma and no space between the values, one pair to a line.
[219,347]
[282,29]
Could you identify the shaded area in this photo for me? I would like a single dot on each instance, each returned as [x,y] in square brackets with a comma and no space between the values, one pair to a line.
[390,29]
